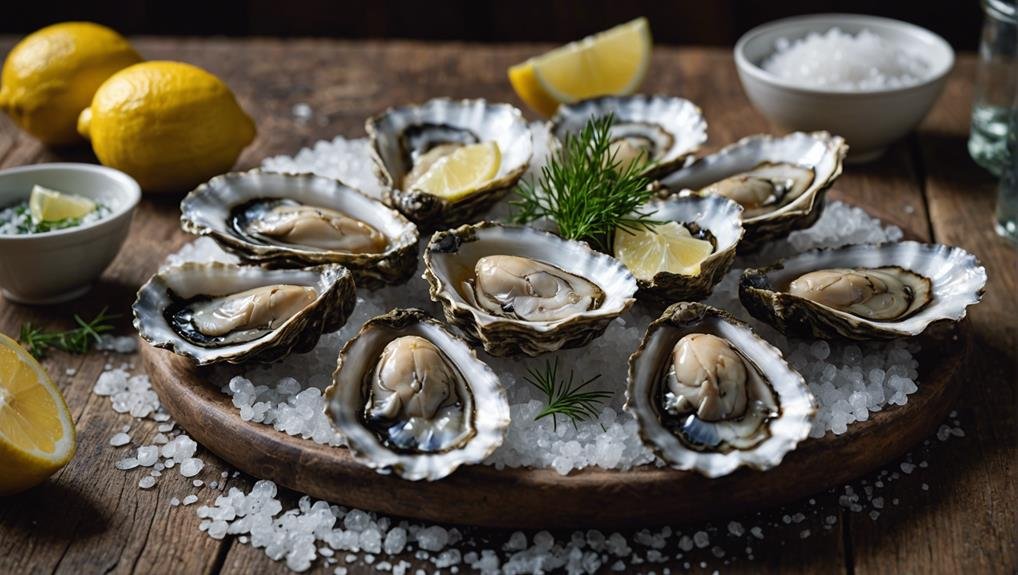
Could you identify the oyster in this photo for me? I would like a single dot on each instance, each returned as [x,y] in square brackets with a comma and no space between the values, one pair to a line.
[215,312]
[519,290]
[865,291]
[297,220]
[407,141]
[414,400]
[665,130]
[714,219]
[709,395]
[780,182]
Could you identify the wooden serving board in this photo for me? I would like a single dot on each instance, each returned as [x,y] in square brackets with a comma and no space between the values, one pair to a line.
[541,498]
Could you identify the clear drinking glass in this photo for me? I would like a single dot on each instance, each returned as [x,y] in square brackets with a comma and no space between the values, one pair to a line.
[995,85]
[1007,198]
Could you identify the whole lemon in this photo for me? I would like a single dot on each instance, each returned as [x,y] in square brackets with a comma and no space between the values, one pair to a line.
[169,125]
[51,75]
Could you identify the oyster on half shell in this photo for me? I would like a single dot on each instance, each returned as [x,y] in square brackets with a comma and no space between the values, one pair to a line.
[665,130]
[709,395]
[216,312]
[517,290]
[412,399]
[781,182]
[297,220]
[865,291]
[407,141]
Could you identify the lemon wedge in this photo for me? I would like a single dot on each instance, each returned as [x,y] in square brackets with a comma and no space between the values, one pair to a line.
[462,172]
[666,247]
[48,205]
[36,433]
[612,62]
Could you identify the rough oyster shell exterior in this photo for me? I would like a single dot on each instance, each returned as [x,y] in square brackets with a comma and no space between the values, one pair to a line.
[206,212]
[451,255]
[957,277]
[329,311]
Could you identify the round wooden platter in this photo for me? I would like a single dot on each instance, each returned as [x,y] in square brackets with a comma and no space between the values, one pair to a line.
[541,498]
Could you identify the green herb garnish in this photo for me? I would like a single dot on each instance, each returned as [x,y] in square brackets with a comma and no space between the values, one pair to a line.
[563,398]
[79,340]
[587,191]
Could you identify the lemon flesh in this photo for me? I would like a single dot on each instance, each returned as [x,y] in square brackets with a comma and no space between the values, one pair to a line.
[462,172]
[36,434]
[667,247]
[612,62]
[169,125]
[48,205]
[51,75]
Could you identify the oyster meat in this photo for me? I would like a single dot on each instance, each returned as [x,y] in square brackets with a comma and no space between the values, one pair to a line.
[520,290]
[864,292]
[297,220]
[414,400]
[664,131]
[780,182]
[710,395]
[409,141]
[215,312]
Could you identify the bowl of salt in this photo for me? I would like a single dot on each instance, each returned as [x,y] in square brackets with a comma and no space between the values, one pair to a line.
[868,79]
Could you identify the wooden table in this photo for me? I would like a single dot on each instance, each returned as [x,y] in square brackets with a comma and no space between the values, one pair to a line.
[91,518]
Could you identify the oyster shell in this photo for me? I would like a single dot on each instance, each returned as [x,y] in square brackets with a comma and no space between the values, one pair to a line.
[865,291]
[715,219]
[297,220]
[519,290]
[408,140]
[216,312]
[414,400]
[665,129]
[780,181]
[710,396]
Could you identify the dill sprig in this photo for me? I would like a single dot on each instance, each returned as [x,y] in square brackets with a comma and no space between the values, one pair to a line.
[586,190]
[564,397]
[78,340]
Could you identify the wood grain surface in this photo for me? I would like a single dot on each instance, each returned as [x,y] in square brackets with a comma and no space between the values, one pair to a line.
[91,518]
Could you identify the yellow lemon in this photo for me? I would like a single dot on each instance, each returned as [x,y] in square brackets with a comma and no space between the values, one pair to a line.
[169,125]
[48,205]
[612,62]
[464,171]
[36,432]
[50,76]
[667,247]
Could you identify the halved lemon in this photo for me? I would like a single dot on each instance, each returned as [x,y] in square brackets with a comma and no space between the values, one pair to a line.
[667,247]
[36,433]
[612,62]
[462,172]
[48,205]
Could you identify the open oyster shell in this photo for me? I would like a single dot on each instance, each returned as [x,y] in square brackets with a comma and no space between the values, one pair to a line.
[228,208]
[799,167]
[706,430]
[712,218]
[452,411]
[450,264]
[668,130]
[937,284]
[175,300]
[401,136]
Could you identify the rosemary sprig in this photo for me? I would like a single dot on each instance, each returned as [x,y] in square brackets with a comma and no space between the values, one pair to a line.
[79,340]
[586,190]
[565,398]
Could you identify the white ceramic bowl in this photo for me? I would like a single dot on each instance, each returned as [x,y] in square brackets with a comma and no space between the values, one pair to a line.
[869,120]
[61,265]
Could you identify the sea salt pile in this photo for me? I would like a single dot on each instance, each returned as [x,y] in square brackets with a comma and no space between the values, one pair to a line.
[849,380]
[842,61]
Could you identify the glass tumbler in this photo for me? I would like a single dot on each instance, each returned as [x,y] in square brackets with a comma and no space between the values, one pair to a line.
[995,85]
[1007,198]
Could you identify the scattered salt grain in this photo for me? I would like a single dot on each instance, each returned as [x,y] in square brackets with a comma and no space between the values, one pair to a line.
[147,482]
[120,440]
[190,499]
[191,467]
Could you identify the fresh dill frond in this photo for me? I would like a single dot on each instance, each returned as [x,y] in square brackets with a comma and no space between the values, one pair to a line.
[586,190]
[564,397]
[78,340]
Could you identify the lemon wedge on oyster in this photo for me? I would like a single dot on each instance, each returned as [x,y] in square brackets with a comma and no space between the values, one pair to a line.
[667,247]
[462,172]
